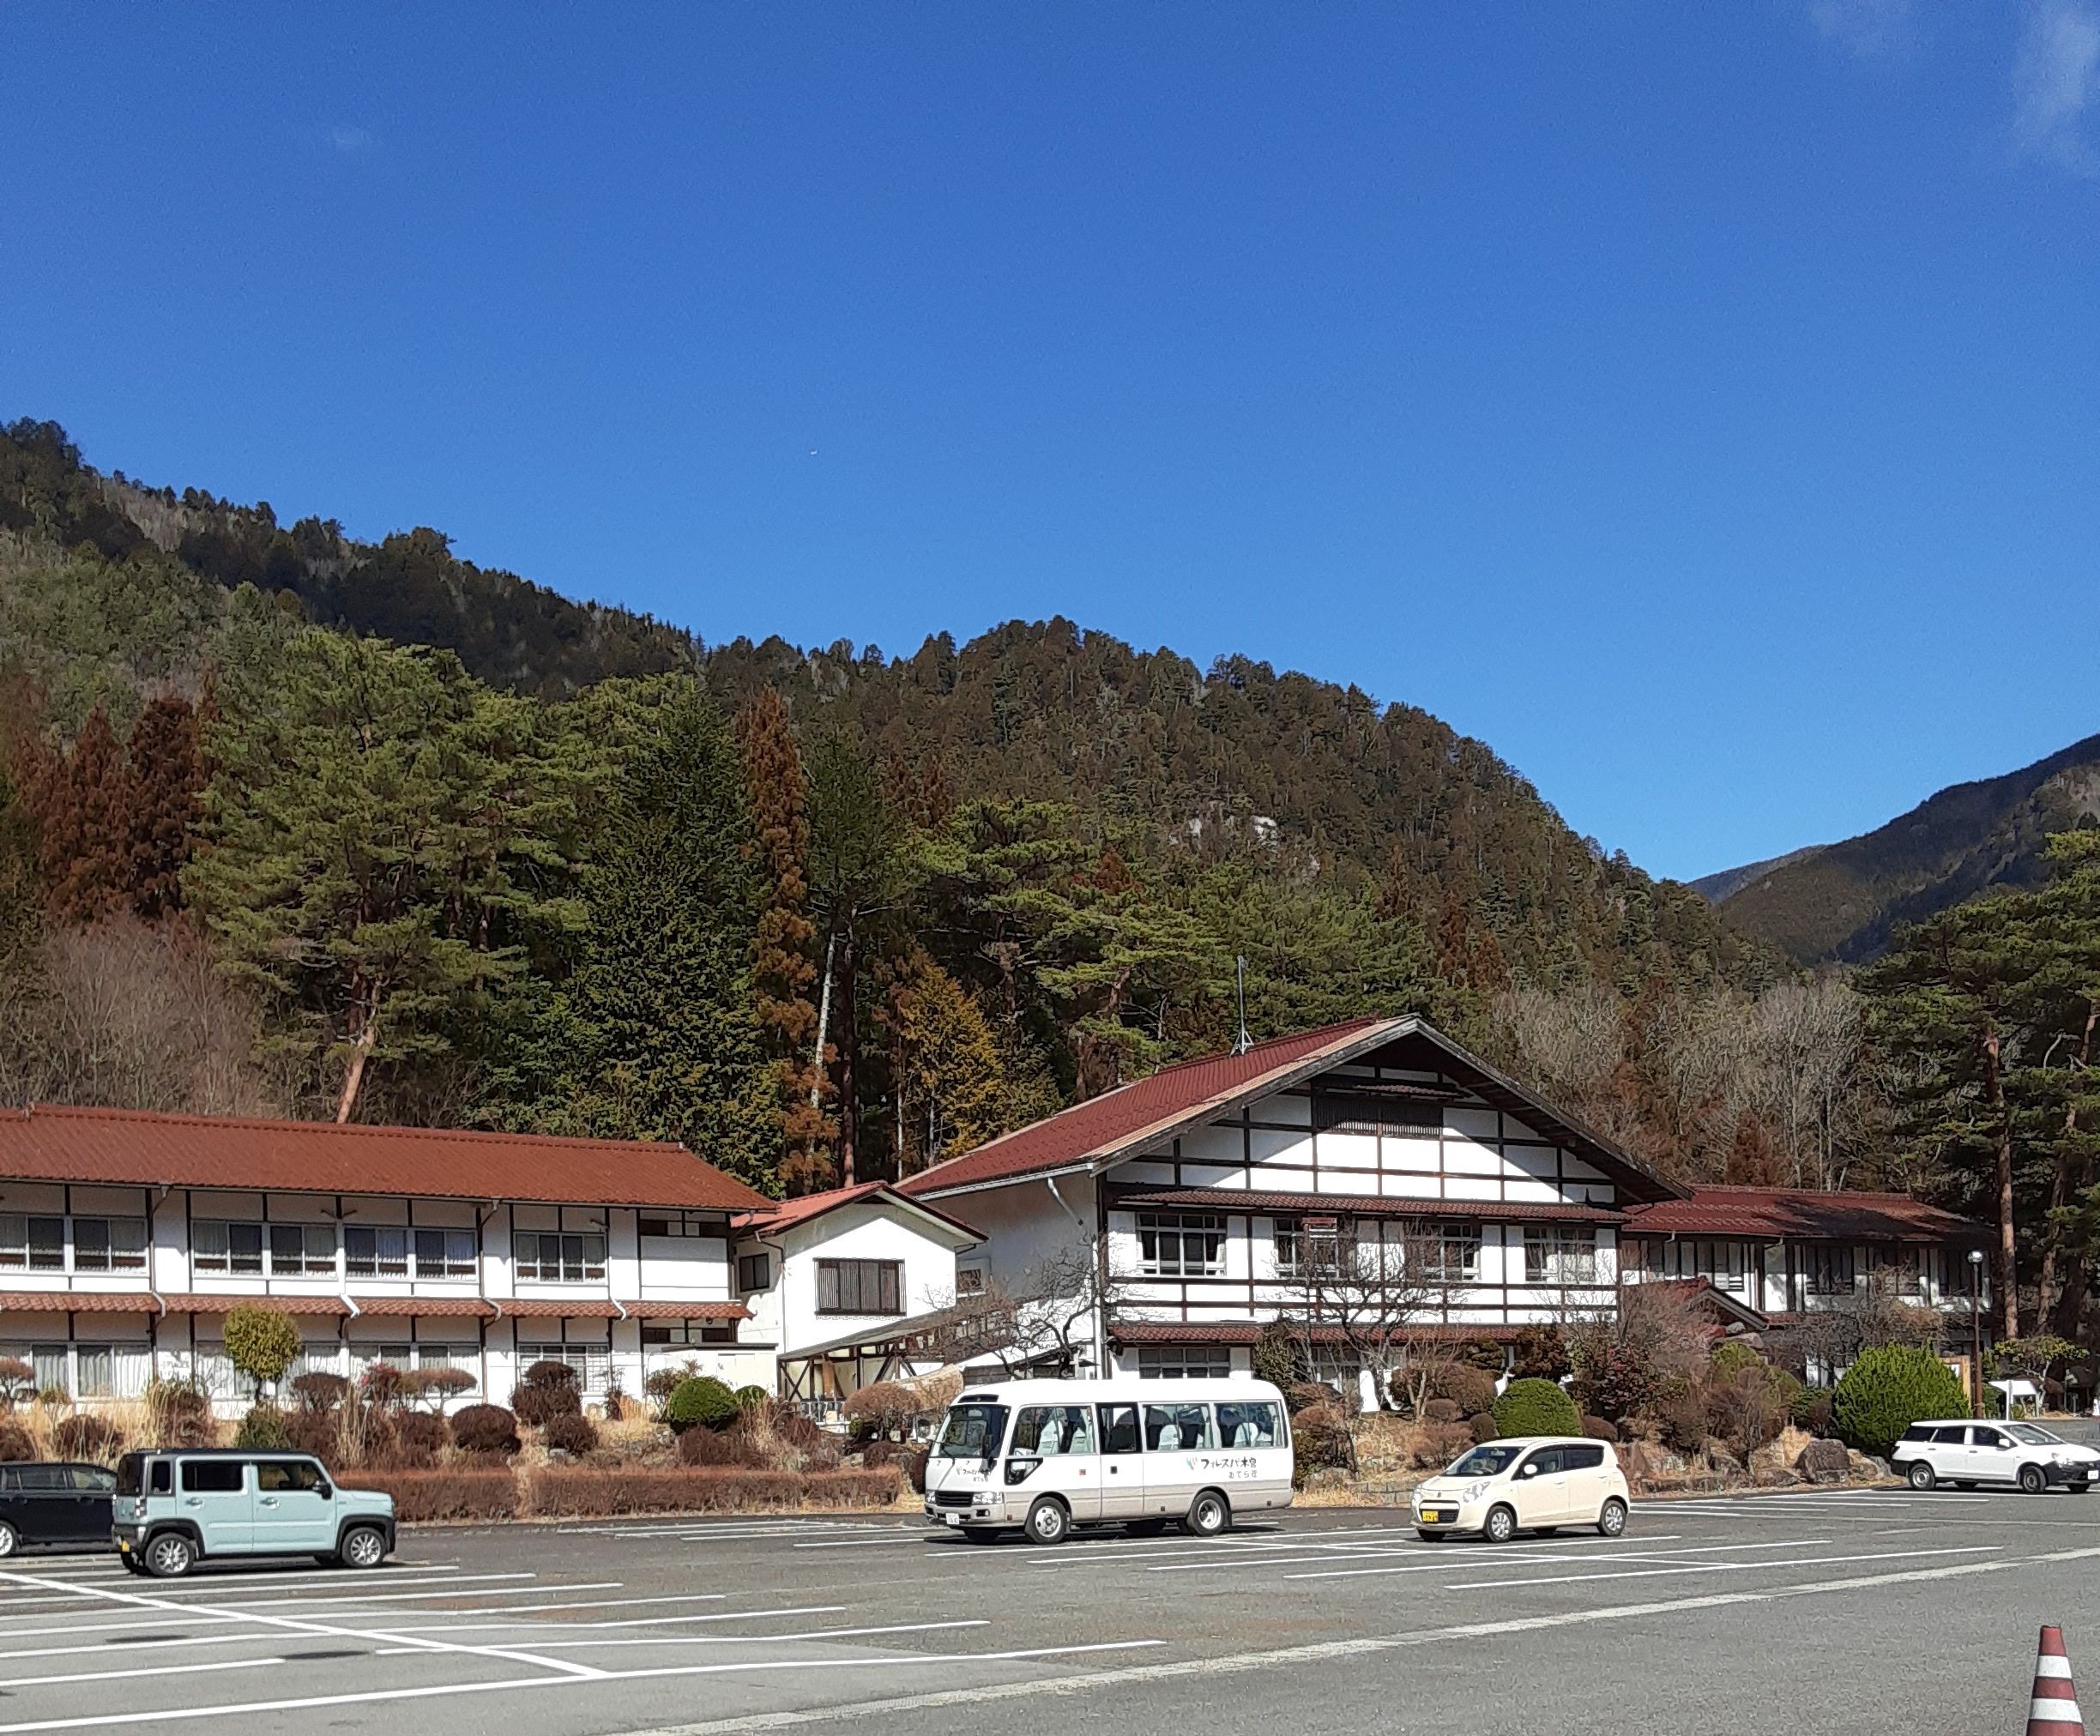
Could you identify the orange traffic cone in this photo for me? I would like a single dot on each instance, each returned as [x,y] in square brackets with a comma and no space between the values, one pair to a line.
[2054,1711]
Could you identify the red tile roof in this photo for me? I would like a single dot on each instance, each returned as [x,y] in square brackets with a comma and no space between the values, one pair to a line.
[1148,1107]
[132,1148]
[333,1307]
[800,1209]
[1221,1199]
[1804,1214]
[1147,1112]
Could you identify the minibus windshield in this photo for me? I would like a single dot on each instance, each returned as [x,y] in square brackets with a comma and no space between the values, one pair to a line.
[973,1432]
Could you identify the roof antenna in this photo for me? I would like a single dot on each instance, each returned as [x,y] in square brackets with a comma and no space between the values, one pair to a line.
[1243,1042]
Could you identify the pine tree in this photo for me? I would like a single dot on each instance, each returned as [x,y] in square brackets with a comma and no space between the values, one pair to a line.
[82,801]
[950,1087]
[783,970]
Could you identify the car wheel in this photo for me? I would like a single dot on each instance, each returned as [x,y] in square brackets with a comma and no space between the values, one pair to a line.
[1500,1527]
[10,1540]
[1146,1527]
[363,1546]
[1428,1536]
[1048,1521]
[1209,1516]
[2032,1480]
[170,1555]
[1611,1522]
[1921,1476]
[2080,1488]
[132,1564]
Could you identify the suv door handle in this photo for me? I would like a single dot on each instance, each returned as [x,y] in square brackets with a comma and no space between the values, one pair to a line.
[266,1501]
[193,1501]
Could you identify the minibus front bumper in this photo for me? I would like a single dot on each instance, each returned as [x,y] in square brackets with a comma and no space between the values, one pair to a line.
[959,1507]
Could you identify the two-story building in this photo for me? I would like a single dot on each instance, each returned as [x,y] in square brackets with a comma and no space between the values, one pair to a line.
[1210,1191]
[125,1238]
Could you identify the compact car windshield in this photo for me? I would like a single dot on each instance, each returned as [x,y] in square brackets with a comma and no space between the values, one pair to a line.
[973,1432]
[1485,1461]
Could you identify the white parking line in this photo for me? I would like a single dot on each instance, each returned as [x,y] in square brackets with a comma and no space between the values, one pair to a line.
[1418,1552]
[259,1586]
[594,1603]
[918,1538]
[467,1627]
[134,1675]
[151,1642]
[1728,1567]
[393,1597]
[908,1627]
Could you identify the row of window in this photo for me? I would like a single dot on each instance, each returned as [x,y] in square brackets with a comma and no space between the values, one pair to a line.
[1187,1245]
[1055,1431]
[33,1243]
[1828,1270]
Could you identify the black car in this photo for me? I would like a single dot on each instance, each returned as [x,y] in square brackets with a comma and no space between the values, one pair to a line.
[47,1506]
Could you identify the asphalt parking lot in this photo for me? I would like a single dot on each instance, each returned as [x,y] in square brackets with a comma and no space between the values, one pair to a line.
[1809,1612]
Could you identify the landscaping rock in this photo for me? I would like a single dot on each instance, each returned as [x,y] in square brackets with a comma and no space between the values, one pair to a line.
[1824,1462]
[1648,1461]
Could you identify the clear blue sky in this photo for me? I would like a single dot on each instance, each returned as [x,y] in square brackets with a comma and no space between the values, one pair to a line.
[1697,402]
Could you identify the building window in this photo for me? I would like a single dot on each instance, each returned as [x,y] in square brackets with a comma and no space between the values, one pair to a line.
[1180,1246]
[1830,1270]
[1557,1256]
[859,1286]
[969,1280]
[1904,1268]
[661,1332]
[302,1250]
[234,1249]
[1725,1265]
[109,1245]
[754,1272]
[1184,1362]
[593,1363]
[375,1251]
[461,1356]
[545,1257]
[446,1254]
[91,1370]
[1333,1112]
[1450,1254]
[678,1224]
[31,1244]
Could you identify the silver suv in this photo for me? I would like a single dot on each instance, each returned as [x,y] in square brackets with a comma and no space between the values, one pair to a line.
[174,1508]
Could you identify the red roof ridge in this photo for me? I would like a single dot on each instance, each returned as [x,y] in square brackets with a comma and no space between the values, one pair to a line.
[264,1123]
[1744,1190]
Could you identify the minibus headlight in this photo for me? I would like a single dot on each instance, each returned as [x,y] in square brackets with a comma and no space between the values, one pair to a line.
[1020,1470]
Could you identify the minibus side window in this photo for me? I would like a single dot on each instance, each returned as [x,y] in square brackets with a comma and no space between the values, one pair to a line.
[1246,1425]
[1054,1430]
[1178,1428]
[1118,1428]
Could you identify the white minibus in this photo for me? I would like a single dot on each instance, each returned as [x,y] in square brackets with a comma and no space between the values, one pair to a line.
[1040,1456]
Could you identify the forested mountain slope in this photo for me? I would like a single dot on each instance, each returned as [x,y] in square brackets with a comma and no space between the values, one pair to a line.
[1840,901]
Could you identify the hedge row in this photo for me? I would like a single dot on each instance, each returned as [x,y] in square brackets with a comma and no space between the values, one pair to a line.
[576,1492]
[421,1495]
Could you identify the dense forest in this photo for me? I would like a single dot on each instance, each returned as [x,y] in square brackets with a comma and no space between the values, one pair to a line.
[294,823]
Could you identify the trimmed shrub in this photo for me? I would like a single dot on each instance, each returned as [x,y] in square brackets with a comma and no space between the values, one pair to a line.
[751,1397]
[1485,1354]
[422,1495]
[318,1433]
[87,1436]
[15,1441]
[1731,1356]
[1465,1386]
[383,1384]
[1811,1411]
[438,1387]
[179,1413]
[1442,1410]
[1482,1428]
[1439,1444]
[548,1390]
[262,1428]
[484,1428]
[570,1434]
[419,1437]
[882,1409]
[318,1391]
[1681,1417]
[1308,1395]
[1319,1441]
[700,1399]
[1598,1430]
[262,1344]
[1536,1407]
[1541,1353]
[720,1447]
[1887,1389]
[1279,1356]
[914,1467]
[563,1492]
[17,1380]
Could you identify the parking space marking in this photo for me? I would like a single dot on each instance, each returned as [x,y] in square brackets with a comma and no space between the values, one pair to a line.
[1727,1567]
[257,1584]
[905,1627]
[13,1682]
[145,1642]
[1417,1552]
[392,1597]
[597,1603]
[639,1621]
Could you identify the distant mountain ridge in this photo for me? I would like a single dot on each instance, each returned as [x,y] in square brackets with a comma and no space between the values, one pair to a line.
[1838,902]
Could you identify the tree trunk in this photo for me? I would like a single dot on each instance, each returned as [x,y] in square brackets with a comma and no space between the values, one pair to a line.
[2068,1185]
[824,1026]
[849,1063]
[353,1080]
[2008,1270]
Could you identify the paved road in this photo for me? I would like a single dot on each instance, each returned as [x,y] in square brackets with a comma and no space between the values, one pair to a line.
[1808,1612]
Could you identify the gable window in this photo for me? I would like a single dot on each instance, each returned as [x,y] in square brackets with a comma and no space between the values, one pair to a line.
[754,1272]
[1180,1245]
[969,1280]
[1334,1112]
[1556,1255]
[568,1257]
[859,1286]
[1450,1254]
[678,1224]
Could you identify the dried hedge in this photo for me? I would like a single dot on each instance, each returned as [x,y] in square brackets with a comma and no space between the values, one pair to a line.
[446,1494]
[564,1493]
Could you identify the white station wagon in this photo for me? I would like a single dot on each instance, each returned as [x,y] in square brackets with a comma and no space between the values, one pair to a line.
[1538,1483]
[1965,1453]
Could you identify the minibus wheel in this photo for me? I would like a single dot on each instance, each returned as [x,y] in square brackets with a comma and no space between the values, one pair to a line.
[1209,1515]
[1048,1521]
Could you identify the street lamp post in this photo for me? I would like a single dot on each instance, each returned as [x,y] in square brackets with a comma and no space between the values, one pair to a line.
[1976,1330]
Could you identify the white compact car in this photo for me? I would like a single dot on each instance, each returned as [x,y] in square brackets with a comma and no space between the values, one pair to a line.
[1535,1484]
[1965,1453]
